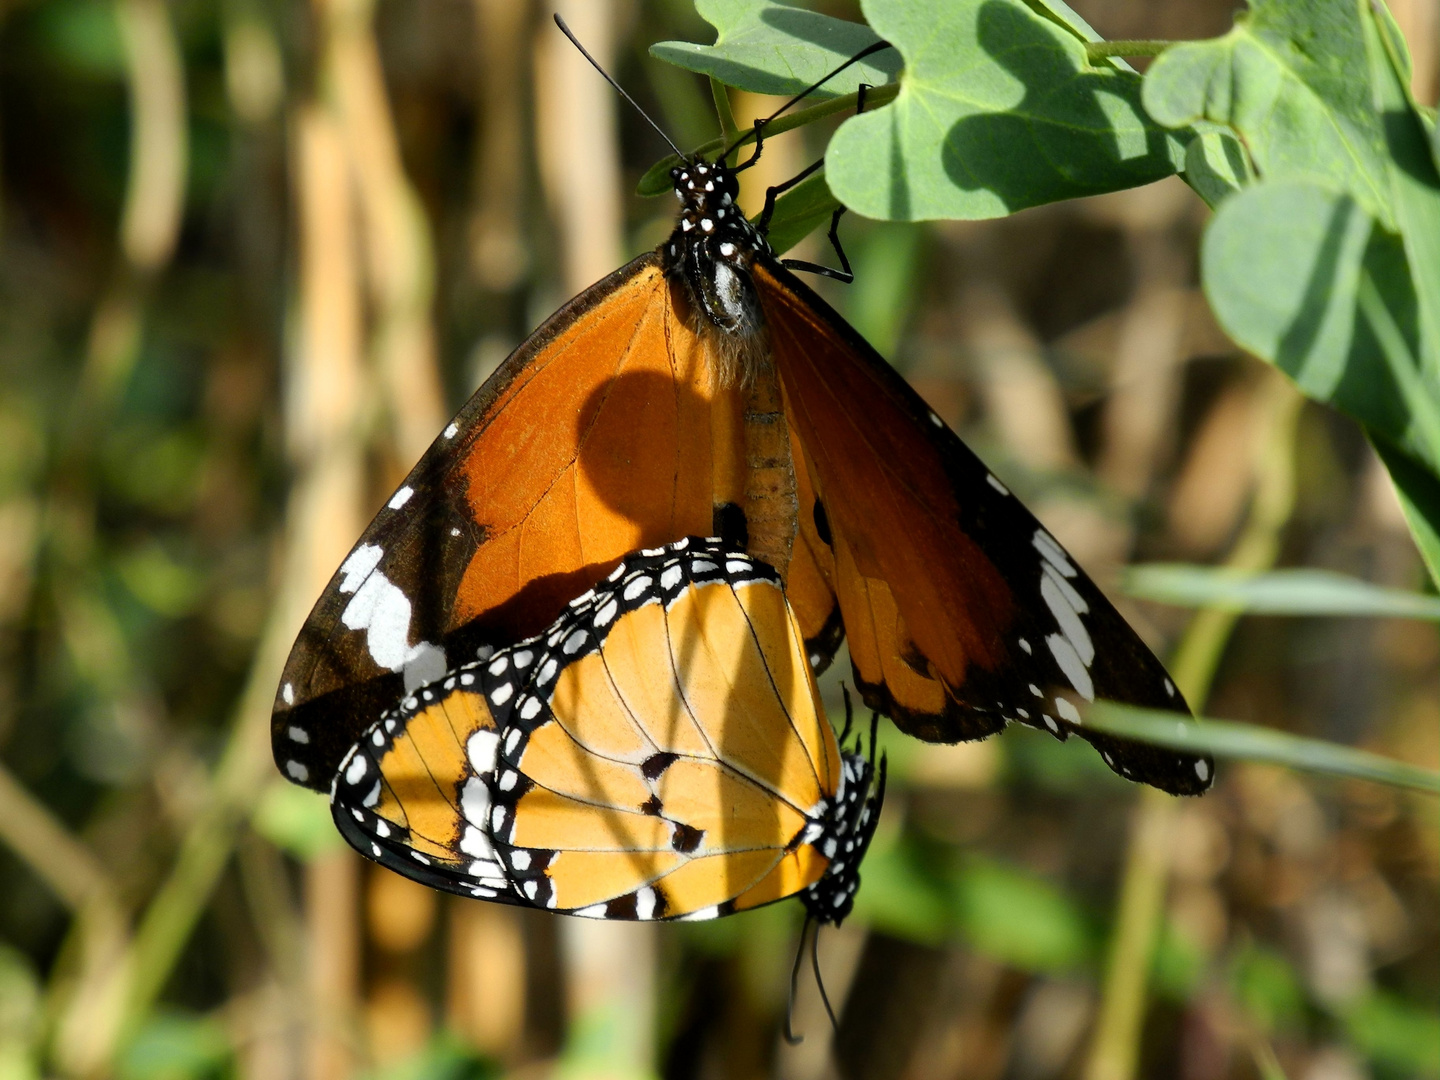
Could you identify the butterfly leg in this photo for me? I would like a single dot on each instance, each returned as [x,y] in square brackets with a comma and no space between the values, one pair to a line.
[844,274]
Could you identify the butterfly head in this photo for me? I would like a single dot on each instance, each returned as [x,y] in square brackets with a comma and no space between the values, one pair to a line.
[713,246]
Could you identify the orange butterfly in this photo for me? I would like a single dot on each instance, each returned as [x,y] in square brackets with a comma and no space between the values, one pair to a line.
[703,390]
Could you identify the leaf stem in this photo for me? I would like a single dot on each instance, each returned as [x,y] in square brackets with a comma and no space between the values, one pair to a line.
[1102,50]
[720,94]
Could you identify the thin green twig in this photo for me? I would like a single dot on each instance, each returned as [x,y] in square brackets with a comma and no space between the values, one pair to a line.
[1250,742]
[1101,50]
[720,94]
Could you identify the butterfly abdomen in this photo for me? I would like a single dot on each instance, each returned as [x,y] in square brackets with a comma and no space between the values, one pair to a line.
[771,507]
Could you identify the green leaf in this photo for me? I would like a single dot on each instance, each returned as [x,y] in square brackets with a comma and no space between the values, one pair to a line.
[1230,739]
[1216,166]
[1280,592]
[780,48]
[998,110]
[1300,275]
[296,820]
[1019,919]
[902,892]
[921,892]
[1397,1033]
[1266,985]
[1415,182]
[1291,79]
[176,1046]
[1419,492]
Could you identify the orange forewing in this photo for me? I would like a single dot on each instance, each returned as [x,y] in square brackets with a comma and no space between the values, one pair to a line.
[600,435]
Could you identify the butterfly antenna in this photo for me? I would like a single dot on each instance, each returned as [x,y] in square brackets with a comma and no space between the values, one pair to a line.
[874,736]
[790,1036]
[759,124]
[819,981]
[619,89]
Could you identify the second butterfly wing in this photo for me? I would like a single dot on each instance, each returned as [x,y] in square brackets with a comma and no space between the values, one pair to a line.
[658,752]
[961,611]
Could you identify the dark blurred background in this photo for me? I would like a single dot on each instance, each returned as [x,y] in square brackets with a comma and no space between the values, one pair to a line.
[253,254]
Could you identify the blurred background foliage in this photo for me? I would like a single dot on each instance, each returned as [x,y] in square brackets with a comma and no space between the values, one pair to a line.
[254,253]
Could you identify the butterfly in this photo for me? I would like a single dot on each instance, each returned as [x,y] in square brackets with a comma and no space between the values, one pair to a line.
[704,390]
[658,752]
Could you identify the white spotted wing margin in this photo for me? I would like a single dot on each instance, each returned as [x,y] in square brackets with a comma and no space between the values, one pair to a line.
[1054,641]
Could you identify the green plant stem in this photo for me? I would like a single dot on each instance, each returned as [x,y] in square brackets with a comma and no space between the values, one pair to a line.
[656,180]
[1251,742]
[720,94]
[1115,1049]
[1101,50]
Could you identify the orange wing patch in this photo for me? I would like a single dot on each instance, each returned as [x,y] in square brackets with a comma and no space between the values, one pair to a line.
[921,602]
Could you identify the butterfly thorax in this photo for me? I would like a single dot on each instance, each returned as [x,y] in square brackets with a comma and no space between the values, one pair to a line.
[711,251]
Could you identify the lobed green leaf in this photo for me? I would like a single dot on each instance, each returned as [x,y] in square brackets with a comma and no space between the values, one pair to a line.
[1290,78]
[998,110]
[769,47]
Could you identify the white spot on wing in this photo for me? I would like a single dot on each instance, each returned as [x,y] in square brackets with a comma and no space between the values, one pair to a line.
[1066,708]
[382,611]
[358,564]
[1070,623]
[288,693]
[480,749]
[298,734]
[645,901]
[1053,553]
[476,844]
[355,772]
[401,497]
[996,484]
[296,771]
[1202,770]
[701,914]
[1069,661]
[450,430]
